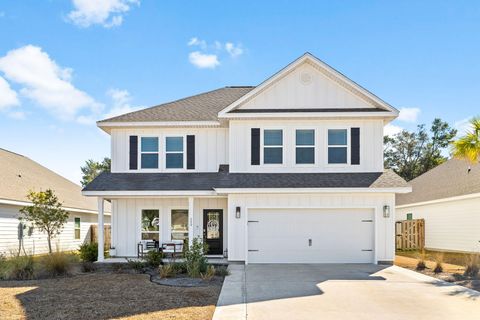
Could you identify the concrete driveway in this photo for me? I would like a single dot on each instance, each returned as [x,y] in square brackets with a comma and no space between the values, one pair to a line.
[340,291]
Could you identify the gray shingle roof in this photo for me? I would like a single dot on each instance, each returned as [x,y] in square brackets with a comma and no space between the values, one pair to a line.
[211,180]
[19,175]
[449,179]
[200,107]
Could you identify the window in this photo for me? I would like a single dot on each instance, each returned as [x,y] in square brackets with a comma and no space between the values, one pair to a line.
[150,225]
[305,146]
[174,153]
[149,153]
[272,146]
[409,216]
[337,146]
[179,224]
[77,228]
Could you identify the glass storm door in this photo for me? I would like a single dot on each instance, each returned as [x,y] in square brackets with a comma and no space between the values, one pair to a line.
[213,230]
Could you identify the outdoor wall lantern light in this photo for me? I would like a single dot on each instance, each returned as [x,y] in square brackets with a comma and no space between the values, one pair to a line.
[386,211]
[237,212]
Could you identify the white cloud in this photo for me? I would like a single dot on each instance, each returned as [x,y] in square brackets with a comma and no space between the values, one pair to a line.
[203,60]
[19,115]
[233,51]
[463,126]
[108,13]
[409,114]
[8,97]
[391,129]
[197,42]
[46,83]
[121,103]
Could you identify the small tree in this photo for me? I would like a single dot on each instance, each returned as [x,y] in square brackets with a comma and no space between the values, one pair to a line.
[92,169]
[45,213]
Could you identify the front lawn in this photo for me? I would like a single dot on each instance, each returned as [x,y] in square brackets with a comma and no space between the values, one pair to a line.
[105,296]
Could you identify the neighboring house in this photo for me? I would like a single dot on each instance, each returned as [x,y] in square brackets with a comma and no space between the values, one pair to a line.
[448,198]
[289,171]
[19,175]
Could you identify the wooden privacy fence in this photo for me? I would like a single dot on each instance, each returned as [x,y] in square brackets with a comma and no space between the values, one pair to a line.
[106,234]
[410,234]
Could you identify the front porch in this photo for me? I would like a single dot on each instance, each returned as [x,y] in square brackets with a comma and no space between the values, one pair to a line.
[220,261]
[162,220]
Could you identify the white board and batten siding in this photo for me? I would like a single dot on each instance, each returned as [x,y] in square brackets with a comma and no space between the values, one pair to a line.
[127,219]
[321,208]
[305,87]
[211,145]
[371,145]
[37,242]
[449,225]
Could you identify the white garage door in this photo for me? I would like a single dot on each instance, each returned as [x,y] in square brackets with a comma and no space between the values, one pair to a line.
[310,236]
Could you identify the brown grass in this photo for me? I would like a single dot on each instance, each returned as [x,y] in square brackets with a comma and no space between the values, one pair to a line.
[104,296]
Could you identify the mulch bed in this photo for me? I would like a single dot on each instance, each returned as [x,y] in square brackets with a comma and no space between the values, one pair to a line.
[106,295]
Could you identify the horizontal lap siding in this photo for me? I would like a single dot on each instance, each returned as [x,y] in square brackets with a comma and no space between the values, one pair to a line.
[384,226]
[453,225]
[211,145]
[37,243]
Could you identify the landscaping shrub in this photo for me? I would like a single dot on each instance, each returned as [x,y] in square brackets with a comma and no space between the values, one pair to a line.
[209,273]
[3,266]
[154,259]
[421,265]
[472,267]
[167,271]
[438,263]
[56,264]
[137,265]
[222,271]
[180,267]
[195,261]
[88,266]
[20,268]
[89,252]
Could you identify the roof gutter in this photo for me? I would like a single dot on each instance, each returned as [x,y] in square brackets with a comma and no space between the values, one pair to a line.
[26,203]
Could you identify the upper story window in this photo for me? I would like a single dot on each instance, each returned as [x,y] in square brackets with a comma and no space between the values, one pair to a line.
[337,146]
[149,153]
[273,146]
[305,146]
[174,152]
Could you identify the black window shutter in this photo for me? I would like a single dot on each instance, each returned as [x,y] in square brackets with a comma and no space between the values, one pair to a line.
[255,146]
[355,145]
[133,152]
[190,152]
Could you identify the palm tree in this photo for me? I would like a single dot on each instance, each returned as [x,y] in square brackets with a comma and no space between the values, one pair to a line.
[468,146]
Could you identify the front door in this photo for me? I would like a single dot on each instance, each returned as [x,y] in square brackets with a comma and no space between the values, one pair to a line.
[213,230]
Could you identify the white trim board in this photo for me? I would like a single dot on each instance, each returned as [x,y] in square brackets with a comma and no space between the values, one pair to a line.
[25,203]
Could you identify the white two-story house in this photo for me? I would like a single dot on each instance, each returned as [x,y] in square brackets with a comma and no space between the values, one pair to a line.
[289,171]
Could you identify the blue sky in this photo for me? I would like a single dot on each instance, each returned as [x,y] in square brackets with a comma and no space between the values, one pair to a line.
[66,64]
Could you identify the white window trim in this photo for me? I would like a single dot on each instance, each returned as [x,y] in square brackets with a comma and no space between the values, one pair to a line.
[159,223]
[184,138]
[168,236]
[139,161]
[262,146]
[79,228]
[337,165]
[315,156]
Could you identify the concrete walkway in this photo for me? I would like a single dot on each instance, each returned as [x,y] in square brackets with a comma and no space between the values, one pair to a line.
[340,291]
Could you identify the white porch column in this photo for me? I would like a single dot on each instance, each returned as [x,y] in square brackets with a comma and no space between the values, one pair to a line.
[101,256]
[190,220]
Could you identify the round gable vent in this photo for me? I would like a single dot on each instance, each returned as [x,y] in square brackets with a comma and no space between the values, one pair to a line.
[305,78]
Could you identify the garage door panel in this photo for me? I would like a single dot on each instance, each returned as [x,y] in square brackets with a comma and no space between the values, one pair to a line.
[310,236]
